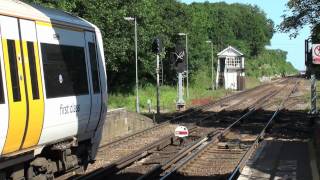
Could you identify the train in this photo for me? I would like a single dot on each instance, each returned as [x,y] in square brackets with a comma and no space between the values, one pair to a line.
[53,91]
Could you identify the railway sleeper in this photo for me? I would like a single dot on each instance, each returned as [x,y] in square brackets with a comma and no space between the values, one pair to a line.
[229,145]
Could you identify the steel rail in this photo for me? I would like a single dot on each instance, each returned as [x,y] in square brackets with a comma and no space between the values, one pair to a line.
[206,143]
[226,98]
[124,162]
[213,136]
[247,155]
[193,110]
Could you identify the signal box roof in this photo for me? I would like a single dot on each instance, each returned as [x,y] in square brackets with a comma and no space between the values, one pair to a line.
[230,52]
[35,12]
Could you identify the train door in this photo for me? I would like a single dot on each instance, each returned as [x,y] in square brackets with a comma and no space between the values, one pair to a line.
[95,88]
[33,79]
[23,82]
[66,85]
[15,83]
[3,100]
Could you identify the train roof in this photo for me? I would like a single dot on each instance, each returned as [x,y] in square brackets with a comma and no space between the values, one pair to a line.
[35,12]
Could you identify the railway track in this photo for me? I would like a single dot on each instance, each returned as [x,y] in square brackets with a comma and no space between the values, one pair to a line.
[225,156]
[165,152]
[196,112]
[112,151]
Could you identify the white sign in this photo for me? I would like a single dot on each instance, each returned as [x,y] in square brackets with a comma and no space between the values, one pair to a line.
[316,53]
[181,131]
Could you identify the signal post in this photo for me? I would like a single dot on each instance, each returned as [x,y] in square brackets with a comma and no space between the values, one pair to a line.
[312,60]
[156,48]
[179,59]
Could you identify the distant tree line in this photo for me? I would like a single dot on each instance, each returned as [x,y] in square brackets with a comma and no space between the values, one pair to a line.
[242,26]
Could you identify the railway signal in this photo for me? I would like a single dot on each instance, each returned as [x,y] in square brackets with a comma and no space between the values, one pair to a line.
[179,59]
[179,62]
[156,46]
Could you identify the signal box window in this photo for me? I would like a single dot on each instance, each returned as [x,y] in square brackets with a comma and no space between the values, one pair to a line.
[94,68]
[1,88]
[33,70]
[64,70]
[14,71]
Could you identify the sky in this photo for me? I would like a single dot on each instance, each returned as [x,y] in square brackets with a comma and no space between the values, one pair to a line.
[274,9]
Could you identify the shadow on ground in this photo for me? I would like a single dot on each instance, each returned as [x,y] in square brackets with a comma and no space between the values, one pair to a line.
[289,125]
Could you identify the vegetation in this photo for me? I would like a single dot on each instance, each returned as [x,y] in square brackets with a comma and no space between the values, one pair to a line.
[302,13]
[242,26]
[299,14]
[168,95]
[269,63]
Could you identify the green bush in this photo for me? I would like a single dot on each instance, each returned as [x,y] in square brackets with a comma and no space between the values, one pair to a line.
[269,63]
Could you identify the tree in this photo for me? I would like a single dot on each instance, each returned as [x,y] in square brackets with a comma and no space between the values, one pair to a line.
[300,13]
[242,26]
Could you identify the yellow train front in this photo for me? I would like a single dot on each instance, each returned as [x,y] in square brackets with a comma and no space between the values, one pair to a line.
[52,91]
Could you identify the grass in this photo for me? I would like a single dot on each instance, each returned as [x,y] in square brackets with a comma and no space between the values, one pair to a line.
[168,96]
[252,82]
[199,89]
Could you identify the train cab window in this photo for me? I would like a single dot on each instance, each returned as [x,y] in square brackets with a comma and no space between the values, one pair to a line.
[33,70]
[14,70]
[94,67]
[1,88]
[64,70]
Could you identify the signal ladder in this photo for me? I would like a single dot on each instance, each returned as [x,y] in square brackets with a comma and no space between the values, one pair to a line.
[161,72]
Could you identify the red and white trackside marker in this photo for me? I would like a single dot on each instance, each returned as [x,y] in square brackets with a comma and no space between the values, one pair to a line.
[181,131]
[316,53]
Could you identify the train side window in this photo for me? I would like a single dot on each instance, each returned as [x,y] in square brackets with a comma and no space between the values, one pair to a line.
[64,70]
[33,70]
[94,67]
[1,88]
[14,70]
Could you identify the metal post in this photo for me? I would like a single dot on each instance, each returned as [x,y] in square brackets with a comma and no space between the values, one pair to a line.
[180,102]
[313,93]
[212,71]
[212,81]
[158,84]
[136,54]
[161,72]
[136,57]
[187,66]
